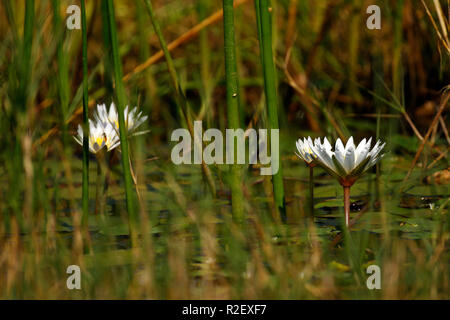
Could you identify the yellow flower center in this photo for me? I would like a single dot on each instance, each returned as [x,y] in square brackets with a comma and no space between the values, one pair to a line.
[99,140]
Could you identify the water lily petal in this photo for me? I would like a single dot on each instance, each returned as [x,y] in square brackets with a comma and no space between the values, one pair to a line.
[361,151]
[349,144]
[304,150]
[340,170]
[361,167]
[326,144]
[339,151]
[324,155]
[360,147]
[139,121]
[112,138]
[373,161]
[375,153]
[349,161]
[112,112]
[79,137]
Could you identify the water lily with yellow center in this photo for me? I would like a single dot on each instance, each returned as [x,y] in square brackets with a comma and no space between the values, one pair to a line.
[347,163]
[99,136]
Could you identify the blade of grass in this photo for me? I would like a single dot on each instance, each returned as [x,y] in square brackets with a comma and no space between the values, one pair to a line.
[265,39]
[85,179]
[121,102]
[232,96]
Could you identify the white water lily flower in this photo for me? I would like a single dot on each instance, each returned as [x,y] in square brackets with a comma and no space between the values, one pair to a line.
[99,137]
[305,150]
[347,163]
[132,118]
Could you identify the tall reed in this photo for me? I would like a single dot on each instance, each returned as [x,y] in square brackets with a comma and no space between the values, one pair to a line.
[121,102]
[85,179]
[232,103]
[265,39]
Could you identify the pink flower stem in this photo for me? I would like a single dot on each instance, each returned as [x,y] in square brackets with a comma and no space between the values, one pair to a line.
[347,205]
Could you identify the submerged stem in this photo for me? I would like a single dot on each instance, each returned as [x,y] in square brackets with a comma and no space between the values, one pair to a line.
[347,205]
[311,190]
[100,185]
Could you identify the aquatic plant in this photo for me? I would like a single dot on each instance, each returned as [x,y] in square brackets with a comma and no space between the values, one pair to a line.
[347,164]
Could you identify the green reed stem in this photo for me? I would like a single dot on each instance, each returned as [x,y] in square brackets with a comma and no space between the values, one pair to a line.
[265,39]
[121,101]
[180,95]
[207,81]
[85,179]
[258,25]
[232,88]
